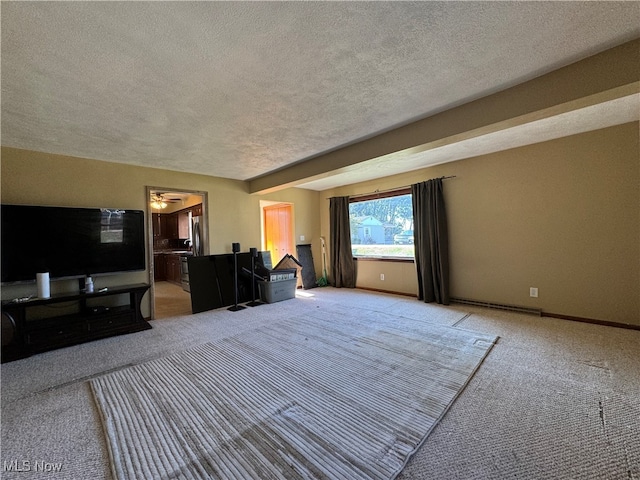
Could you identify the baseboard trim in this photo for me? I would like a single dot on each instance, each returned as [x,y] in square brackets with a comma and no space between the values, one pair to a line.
[541,313]
[595,321]
[413,295]
[498,306]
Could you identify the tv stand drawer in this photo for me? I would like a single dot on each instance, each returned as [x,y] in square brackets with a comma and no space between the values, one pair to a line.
[104,323]
[55,336]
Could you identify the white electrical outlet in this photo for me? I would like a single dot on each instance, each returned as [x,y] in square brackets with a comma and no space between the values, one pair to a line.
[382,276]
[533,292]
[302,238]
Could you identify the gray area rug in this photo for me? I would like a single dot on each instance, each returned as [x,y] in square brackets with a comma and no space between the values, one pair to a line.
[301,398]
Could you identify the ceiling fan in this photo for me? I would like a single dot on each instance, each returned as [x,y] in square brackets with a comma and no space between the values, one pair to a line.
[158,200]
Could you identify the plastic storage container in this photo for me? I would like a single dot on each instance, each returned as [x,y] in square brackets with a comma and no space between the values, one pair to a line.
[277,290]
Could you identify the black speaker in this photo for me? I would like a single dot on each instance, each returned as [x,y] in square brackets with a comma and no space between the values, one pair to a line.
[236,248]
[253,252]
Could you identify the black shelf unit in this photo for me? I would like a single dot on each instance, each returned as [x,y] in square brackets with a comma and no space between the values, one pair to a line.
[25,337]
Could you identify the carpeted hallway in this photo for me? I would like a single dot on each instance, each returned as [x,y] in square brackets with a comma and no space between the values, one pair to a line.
[553,398]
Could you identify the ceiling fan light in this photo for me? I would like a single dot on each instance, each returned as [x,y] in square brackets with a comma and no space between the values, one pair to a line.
[158,204]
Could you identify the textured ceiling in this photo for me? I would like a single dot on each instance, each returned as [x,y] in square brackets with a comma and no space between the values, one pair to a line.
[602,115]
[240,89]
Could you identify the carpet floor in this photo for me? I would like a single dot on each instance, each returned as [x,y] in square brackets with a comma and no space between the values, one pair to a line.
[302,398]
[553,399]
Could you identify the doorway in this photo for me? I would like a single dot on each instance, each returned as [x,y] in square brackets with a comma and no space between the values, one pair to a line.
[278,230]
[177,224]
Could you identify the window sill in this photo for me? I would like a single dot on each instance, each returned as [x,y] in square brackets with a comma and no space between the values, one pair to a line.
[384,259]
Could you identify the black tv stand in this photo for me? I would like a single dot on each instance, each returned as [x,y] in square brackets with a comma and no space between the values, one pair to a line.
[91,321]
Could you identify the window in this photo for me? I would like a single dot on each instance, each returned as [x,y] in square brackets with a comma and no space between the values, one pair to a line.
[382,225]
[111,226]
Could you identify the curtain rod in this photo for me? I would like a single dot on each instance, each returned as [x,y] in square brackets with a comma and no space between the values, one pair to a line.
[392,189]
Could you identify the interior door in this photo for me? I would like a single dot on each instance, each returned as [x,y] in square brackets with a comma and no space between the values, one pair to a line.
[278,231]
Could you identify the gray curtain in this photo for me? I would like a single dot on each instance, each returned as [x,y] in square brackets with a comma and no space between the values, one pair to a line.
[431,241]
[343,267]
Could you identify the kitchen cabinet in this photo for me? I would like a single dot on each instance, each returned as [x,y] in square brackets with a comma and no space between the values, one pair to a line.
[173,268]
[183,224]
[159,225]
[175,225]
[159,267]
[171,229]
[167,268]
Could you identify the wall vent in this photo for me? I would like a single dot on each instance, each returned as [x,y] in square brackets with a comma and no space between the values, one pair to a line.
[499,306]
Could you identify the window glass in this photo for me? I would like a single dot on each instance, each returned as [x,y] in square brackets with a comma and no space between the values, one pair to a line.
[382,227]
[111,226]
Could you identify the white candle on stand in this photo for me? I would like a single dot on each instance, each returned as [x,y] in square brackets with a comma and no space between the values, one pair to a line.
[42,279]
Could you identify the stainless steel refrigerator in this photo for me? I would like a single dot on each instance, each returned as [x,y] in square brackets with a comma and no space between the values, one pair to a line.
[196,236]
[197,250]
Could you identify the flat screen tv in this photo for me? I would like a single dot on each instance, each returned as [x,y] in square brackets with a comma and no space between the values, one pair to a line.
[69,242]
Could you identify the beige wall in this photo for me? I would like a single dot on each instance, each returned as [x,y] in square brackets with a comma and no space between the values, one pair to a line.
[234,215]
[563,216]
[399,277]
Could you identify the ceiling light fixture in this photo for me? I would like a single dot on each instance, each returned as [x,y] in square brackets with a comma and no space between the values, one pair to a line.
[158,202]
